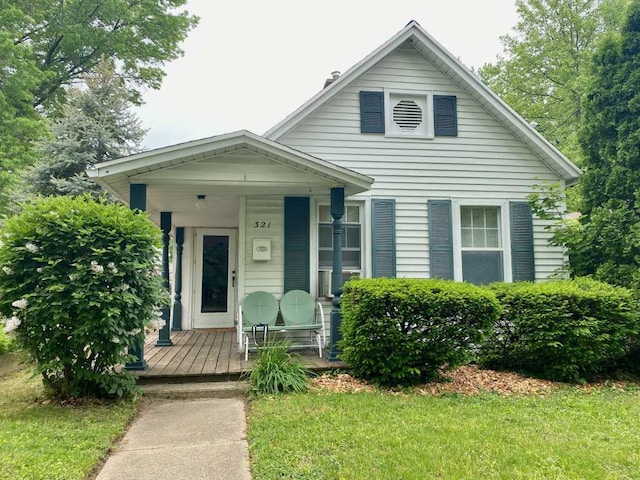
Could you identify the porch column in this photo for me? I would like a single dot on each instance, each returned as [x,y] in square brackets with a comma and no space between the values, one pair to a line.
[177,275]
[165,225]
[138,201]
[337,212]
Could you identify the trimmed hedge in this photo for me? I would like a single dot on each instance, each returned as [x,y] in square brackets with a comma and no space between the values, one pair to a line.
[568,330]
[402,331]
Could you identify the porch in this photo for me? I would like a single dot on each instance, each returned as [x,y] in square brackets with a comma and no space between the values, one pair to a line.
[207,355]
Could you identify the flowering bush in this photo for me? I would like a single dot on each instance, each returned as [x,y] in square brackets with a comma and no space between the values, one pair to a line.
[79,283]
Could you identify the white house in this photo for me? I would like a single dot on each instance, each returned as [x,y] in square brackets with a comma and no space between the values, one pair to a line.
[425,170]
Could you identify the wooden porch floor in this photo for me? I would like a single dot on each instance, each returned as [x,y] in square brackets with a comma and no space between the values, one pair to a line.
[207,355]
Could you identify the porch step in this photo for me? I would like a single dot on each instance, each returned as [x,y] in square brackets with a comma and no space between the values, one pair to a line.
[196,390]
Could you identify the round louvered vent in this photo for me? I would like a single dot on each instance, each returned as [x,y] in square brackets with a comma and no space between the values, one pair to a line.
[407,115]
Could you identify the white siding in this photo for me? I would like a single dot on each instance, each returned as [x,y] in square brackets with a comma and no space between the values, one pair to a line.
[264,275]
[485,161]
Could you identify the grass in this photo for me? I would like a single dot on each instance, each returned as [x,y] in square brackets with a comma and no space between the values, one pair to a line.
[563,435]
[52,441]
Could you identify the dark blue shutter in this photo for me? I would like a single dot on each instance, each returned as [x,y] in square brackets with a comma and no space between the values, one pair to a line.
[383,237]
[522,260]
[372,112]
[445,116]
[296,244]
[440,239]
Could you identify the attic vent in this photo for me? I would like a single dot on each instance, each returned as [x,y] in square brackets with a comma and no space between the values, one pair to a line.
[407,115]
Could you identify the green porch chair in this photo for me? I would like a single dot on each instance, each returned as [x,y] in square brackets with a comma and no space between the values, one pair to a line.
[298,310]
[258,308]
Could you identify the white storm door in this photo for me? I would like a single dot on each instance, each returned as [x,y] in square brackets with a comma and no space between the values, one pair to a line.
[214,278]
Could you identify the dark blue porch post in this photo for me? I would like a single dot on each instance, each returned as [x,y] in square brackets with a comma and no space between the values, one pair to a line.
[165,225]
[138,201]
[177,275]
[337,212]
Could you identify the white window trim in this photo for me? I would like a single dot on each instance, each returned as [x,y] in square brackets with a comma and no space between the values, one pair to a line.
[365,238]
[505,234]
[427,117]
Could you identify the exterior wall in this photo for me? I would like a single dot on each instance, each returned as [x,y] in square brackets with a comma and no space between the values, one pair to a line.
[485,161]
[264,218]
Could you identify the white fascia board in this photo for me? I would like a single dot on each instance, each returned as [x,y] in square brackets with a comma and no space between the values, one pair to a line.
[470,81]
[192,150]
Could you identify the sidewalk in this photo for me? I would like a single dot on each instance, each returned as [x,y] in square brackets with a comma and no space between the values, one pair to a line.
[183,440]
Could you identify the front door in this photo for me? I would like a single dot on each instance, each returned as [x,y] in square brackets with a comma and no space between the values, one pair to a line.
[215,278]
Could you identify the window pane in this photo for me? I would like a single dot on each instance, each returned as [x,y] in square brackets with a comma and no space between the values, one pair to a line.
[351,259]
[491,214]
[352,232]
[492,238]
[478,238]
[215,270]
[325,236]
[353,214]
[478,218]
[325,258]
[324,213]
[465,216]
[467,239]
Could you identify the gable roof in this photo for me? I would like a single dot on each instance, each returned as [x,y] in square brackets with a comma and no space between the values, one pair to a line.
[115,175]
[413,34]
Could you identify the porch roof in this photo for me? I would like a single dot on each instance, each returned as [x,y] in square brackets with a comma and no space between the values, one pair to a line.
[238,163]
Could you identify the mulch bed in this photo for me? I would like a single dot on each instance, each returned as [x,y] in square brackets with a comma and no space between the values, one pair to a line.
[466,380]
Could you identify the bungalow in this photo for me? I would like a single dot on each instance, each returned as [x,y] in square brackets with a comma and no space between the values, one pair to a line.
[407,164]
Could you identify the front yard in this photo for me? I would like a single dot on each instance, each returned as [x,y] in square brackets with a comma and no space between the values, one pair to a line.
[45,440]
[570,433]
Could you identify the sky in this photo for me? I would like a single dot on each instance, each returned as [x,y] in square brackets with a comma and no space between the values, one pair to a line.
[249,63]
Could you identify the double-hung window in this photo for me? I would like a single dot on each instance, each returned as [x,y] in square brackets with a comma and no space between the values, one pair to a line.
[481,244]
[351,245]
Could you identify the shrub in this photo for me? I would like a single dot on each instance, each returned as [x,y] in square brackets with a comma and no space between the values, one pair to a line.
[568,330]
[277,371]
[78,282]
[402,331]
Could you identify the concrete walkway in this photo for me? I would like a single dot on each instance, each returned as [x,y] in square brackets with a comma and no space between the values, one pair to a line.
[183,440]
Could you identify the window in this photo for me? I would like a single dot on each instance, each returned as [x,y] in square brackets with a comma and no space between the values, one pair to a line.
[480,227]
[351,245]
[481,244]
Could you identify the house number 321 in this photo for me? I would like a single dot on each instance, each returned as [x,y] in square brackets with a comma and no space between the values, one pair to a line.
[261,224]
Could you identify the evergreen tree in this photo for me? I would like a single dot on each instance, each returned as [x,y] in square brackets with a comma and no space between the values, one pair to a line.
[607,241]
[96,125]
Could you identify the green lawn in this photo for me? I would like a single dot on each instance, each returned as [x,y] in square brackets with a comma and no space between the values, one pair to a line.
[563,435]
[52,442]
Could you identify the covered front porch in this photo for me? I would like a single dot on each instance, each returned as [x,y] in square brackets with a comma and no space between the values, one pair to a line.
[235,212]
[201,355]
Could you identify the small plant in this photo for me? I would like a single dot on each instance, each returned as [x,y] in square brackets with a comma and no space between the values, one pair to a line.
[277,371]
[79,283]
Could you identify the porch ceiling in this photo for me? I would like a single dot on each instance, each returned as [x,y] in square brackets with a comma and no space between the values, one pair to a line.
[232,165]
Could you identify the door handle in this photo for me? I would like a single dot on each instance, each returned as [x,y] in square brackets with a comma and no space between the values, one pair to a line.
[233,278]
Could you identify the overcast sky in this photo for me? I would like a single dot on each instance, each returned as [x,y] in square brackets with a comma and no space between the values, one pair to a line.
[249,63]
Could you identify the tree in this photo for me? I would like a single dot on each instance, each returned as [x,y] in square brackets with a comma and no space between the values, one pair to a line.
[68,39]
[609,245]
[96,125]
[20,124]
[46,46]
[545,71]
